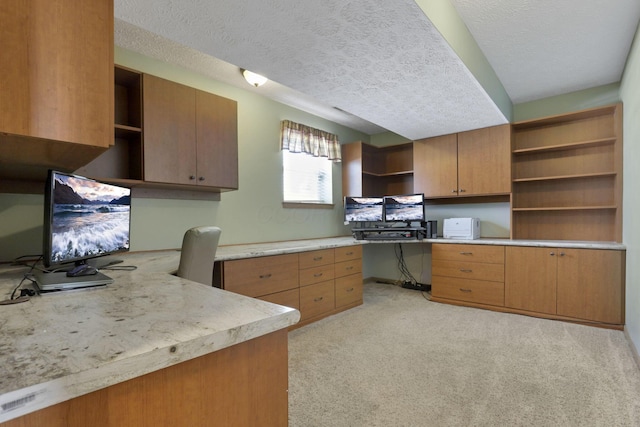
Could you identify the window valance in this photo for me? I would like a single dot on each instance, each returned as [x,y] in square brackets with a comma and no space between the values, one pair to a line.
[299,138]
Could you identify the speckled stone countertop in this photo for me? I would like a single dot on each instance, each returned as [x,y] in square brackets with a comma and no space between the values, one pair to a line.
[577,244]
[59,346]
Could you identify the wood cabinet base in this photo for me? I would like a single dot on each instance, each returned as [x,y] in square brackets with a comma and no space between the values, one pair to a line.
[242,385]
[527,313]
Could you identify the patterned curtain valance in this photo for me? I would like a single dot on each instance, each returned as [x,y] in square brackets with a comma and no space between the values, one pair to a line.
[299,138]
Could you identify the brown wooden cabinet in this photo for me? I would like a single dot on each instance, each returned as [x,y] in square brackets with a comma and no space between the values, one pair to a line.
[584,284]
[368,170]
[190,136]
[472,163]
[56,64]
[471,273]
[188,141]
[319,283]
[567,176]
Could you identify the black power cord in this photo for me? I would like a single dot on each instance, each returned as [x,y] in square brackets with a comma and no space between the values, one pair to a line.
[407,279]
[25,294]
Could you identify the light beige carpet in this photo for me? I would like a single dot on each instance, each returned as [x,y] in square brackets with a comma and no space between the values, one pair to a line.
[401,360]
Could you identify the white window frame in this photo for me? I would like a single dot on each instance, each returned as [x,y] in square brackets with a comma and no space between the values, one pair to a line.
[300,171]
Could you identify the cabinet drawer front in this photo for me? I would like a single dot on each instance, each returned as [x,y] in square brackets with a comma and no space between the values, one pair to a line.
[477,291]
[349,290]
[316,299]
[347,268]
[322,273]
[474,253]
[348,253]
[315,258]
[261,276]
[289,298]
[468,270]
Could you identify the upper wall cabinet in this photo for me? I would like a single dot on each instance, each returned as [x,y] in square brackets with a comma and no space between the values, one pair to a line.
[368,170]
[567,176]
[56,63]
[169,136]
[472,163]
[190,136]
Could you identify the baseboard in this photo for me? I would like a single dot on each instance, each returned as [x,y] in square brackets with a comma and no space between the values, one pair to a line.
[634,350]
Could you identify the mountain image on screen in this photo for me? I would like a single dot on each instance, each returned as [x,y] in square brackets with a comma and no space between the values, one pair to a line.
[404,208]
[91,224]
[363,209]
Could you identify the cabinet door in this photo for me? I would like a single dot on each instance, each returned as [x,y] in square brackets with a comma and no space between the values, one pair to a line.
[169,131]
[530,279]
[217,141]
[352,169]
[435,167]
[484,161]
[56,64]
[590,285]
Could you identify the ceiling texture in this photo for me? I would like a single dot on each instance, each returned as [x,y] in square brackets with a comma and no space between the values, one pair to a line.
[379,65]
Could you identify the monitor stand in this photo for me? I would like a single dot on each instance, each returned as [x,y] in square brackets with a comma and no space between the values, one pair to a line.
[59,281]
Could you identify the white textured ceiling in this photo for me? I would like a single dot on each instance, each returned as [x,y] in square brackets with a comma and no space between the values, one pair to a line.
[541,48]
[382,62]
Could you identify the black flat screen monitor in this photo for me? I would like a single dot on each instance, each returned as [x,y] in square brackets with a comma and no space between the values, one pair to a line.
[363,209]
[83,219]
[407,208]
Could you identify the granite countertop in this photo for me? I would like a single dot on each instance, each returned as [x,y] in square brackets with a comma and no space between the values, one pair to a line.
[59,346]
[577,244]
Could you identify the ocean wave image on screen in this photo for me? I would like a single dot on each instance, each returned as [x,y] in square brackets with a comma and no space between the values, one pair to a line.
[74,238]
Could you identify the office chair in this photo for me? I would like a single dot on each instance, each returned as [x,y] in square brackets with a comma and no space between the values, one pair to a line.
[199,247]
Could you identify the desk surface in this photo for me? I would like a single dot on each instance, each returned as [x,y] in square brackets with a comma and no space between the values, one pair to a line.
[59,346]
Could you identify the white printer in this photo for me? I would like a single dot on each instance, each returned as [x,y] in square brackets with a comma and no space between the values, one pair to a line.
[461,228]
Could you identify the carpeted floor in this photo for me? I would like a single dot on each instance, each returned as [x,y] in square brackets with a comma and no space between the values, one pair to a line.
[401,360]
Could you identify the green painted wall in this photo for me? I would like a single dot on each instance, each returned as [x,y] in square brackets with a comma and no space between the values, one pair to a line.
[252,214]
[630,94]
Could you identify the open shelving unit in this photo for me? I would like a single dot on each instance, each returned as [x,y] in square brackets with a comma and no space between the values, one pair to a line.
[377,171]
[567,176]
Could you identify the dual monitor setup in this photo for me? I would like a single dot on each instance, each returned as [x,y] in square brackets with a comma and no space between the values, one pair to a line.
[393,217]
[83,219]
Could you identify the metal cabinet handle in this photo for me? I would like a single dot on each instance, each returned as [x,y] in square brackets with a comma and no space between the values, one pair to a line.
[201,178]
[466,253]
[349,253]
[318,299]
[265,276]
[462,190]
[318,275]
[318,258]
[454,191]
[349,268]
[350,290]
[466,270]
[192,177]
[465,290]
[552,253]
[561,253]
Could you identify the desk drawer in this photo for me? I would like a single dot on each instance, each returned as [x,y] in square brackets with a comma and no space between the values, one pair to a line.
[468,270]
[318,274]
[347,268]
[347,253]
[463,252]
[261,276]
[289,298]
[316,258]
[349,290]
[478,291]
[316,299]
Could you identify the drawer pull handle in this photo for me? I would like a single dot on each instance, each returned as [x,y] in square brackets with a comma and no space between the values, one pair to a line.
[552,253]
[349,253]
[561,253]
[265,276]
[350,290]
[466,270]
[318,275]
[349,268]
[466,253]
[318,258]
[318,299]
[465,290]
[454,191]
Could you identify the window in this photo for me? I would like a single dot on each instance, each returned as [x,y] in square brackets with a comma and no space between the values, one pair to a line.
[307,158]
[306,179]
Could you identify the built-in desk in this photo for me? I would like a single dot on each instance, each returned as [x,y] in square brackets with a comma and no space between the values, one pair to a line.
[149,349]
